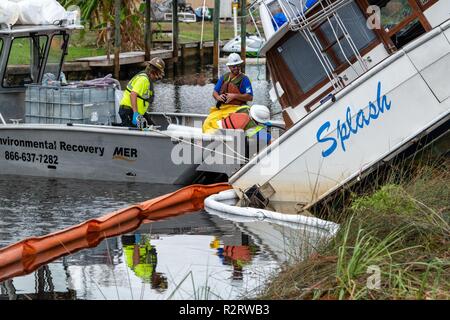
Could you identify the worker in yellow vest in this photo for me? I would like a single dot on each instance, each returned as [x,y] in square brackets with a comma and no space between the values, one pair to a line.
[232,92]
[139,93]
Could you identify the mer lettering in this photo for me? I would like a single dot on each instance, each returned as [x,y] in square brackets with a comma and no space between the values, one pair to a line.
[350,127]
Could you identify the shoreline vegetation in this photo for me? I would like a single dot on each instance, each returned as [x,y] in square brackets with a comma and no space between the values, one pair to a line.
[393,241]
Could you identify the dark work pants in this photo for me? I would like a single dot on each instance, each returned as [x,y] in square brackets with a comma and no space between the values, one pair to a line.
[126,114]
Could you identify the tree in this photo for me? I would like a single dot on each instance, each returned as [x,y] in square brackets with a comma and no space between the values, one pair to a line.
[95,14]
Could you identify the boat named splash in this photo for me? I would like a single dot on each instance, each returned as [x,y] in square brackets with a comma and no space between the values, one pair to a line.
[348,127]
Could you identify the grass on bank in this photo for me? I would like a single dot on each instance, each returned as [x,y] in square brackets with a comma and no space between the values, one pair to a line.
[400,230]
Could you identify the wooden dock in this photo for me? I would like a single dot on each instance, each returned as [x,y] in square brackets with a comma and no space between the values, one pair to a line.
[138,57]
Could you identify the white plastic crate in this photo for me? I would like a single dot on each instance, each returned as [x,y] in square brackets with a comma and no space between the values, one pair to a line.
[69,104]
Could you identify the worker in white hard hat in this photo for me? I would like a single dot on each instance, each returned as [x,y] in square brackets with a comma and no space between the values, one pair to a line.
[257,119]
[139,93]
[232,92]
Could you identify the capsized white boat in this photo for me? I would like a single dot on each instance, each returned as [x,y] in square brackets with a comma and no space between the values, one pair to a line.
[353,97]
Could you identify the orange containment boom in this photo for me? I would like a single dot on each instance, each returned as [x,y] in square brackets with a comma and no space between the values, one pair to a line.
[27,255]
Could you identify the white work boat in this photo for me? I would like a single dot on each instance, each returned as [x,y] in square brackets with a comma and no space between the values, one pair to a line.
[69,131]
[353,97]
[253,44]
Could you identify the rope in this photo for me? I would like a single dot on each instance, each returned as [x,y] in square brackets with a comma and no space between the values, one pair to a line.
[239,156]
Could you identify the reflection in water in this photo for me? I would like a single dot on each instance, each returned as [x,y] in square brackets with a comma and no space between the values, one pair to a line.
[142,258]
[153,266]
[194,256]
[237,254]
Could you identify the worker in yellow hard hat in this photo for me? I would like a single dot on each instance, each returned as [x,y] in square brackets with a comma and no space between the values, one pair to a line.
[139,93]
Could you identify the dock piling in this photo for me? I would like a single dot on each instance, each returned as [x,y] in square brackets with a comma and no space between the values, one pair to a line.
[117,39]
[243,32]
[175,30]
[148,30]
[216,18]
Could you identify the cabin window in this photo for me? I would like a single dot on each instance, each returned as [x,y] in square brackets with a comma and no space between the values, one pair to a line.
[302,61]
[425,4]
[25,60]
[402,20]
[56,54]
[355,23]
[408,33]
[393,12]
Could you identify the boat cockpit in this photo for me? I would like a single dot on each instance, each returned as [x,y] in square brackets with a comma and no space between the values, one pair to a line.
[26,54]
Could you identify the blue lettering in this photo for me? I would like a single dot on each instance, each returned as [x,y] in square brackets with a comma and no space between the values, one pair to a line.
[380,108]
[342,136]
[346,128]
[330,149]
[349,121]
[360,116]
[386,104]
[373,111]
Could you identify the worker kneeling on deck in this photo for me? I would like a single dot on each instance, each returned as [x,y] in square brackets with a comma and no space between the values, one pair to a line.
[254,121]
[232,92]
[139,94]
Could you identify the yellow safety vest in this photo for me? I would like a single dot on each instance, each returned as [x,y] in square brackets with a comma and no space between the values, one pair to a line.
[142,85]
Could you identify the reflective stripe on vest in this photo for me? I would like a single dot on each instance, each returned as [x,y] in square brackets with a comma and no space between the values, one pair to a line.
[243,108]
[252,131]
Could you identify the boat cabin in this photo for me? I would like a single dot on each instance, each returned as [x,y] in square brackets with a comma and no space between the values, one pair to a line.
[26,54]
[315,48]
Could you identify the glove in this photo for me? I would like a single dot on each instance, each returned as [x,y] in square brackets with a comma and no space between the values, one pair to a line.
[135,118]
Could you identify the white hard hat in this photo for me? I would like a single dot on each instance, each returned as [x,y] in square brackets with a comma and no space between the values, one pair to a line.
[260,113]
[234,59]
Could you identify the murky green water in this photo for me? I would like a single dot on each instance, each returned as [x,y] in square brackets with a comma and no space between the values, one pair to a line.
[193,256]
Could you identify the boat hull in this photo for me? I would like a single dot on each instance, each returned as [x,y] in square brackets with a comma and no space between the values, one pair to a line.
[91,153]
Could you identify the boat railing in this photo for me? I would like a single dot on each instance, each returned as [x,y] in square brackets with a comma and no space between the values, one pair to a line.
[298,13]
[305,16]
